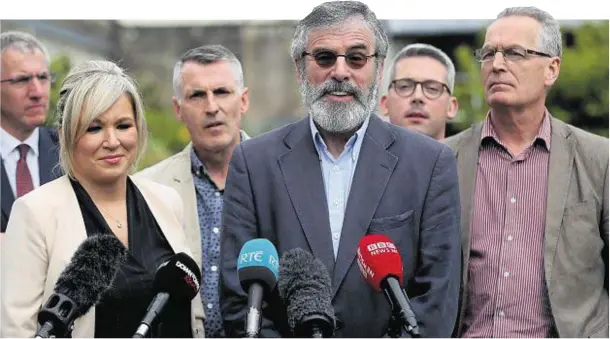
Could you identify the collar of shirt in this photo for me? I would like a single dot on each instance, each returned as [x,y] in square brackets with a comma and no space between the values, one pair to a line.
[9,143]
[198,168]
[353,144]
[544,132]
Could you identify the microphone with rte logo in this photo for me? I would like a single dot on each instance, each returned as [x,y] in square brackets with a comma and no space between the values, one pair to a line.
[257,269]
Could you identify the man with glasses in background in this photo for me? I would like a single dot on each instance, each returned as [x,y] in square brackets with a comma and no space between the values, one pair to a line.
[326,181]
[29,151]
[419,95]
[534,194]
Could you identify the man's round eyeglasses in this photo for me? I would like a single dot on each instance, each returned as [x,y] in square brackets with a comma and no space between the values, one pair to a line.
[326,59]
[432,89]
[515,53]
[43,77]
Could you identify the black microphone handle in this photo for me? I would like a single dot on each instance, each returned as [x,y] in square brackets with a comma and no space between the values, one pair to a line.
[253,318]
[45,331]
[316,332]
[400,305]
[153,311]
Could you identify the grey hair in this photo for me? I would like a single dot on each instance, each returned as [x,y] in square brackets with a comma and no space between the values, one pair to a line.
[331,13]
[206,55]
[549,40]
[23,42]
[89,90]
[425,50]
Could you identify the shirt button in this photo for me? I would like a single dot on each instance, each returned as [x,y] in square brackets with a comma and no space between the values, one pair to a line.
[509,238]
[513,200]
[337,202]
[210,305]
[501,313]
[215,230]
[217,194]
[336,168]
[214,268]
[336,236]
[506,274]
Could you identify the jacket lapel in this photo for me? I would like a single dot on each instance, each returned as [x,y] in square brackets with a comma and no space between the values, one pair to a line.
[71,233]
[48,157]
[7,193]
[467,154]
[467,158]
[560,171]
[375,165]
[185,186]
[300,166]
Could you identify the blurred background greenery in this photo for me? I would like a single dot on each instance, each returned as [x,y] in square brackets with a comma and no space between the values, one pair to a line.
[579,97]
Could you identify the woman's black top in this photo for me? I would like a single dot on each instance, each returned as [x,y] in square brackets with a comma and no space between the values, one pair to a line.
[121,309]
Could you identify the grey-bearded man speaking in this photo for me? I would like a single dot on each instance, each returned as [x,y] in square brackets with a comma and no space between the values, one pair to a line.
[324,182]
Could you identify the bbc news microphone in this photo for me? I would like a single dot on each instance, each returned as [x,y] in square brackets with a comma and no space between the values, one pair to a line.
[381,265]
[257,270]
[178,279]
[305,286]
[81,284]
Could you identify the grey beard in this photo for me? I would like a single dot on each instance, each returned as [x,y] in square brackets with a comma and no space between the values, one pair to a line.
[338,117]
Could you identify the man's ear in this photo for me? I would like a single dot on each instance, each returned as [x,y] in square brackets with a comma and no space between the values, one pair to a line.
[552,72]
[297,67]
[380,76]
[176,105]
[452,108]
[383,105]
[245,100]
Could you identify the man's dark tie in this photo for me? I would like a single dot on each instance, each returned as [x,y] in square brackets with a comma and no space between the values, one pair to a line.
[24,179]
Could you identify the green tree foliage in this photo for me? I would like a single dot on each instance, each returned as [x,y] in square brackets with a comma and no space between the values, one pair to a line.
[167,135]
[60,66]
[579,97]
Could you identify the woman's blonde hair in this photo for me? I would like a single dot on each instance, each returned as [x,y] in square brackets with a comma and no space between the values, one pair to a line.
[89,90]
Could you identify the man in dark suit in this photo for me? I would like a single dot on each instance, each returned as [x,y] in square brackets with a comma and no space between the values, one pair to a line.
[534,194]
[29,152]
[324,182]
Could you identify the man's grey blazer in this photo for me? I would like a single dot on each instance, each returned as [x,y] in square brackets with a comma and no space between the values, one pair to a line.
[405,186]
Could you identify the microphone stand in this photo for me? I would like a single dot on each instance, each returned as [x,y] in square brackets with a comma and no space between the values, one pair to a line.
[396,328]
[253,321]
[401,320]
[315,326]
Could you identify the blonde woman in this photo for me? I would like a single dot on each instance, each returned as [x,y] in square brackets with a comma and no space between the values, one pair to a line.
[102,132]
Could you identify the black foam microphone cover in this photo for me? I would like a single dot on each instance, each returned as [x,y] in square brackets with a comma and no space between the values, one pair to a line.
[81,284]
[305,286]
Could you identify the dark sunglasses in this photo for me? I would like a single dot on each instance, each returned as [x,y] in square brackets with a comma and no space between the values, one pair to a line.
[326,59]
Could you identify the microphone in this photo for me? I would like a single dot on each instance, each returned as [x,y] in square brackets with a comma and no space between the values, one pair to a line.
[81,284]
[381,265]
[257,269]
[178,279]
[305,286]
